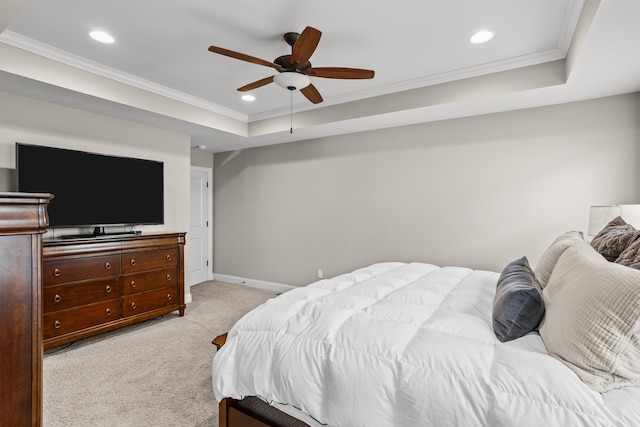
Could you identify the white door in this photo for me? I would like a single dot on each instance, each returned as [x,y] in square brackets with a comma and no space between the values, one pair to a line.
[198,238]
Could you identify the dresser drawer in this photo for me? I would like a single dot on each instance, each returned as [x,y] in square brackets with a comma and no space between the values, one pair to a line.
[61,297]
[133,262]
[62,322]
[72,270]
[141,303]
[134,283]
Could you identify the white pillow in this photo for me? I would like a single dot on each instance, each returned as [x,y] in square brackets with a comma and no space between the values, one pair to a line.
[550,257]
[592,320]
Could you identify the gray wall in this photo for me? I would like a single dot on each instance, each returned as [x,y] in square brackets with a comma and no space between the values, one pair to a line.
[478,191]
[7,179]
[201,158]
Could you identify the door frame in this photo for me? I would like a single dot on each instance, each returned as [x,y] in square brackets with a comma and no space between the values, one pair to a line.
[209,253]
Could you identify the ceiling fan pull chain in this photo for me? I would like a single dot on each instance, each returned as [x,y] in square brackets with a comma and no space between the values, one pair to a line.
[291,114]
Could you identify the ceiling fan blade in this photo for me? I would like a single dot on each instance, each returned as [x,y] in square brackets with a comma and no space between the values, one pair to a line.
[306,44]
[256,84]
[339,73]
[243,57]
[312,94]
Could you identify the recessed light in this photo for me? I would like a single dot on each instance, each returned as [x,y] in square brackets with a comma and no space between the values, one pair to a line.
[481,37]
[102,37]
[248,98]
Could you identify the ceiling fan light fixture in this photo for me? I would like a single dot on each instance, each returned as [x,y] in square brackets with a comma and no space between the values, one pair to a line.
[292,80]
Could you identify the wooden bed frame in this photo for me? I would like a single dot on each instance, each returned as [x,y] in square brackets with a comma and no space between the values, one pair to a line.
[251,411]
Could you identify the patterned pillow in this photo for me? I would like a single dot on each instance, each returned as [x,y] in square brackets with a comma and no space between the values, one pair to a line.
[517,306]
[614,238]
[550,257]
[631,255]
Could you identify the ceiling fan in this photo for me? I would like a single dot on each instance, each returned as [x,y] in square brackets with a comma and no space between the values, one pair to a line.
[295,69]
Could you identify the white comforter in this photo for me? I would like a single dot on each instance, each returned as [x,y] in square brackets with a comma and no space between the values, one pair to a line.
[399,344]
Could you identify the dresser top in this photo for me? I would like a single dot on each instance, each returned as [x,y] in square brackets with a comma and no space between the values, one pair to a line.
[23,213]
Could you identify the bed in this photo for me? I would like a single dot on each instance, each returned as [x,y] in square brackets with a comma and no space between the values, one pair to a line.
[408,344]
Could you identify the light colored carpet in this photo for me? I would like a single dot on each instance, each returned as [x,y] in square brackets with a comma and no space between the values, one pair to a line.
[156,373]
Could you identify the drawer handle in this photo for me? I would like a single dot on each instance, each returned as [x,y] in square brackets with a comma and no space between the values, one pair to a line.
[132,262]
[57,324]
[133,283]
[107,289]
[107,266]
[169,296]
[168,277]
[57,272]
[133,305]
[57,298]
[107,312]
[168,257]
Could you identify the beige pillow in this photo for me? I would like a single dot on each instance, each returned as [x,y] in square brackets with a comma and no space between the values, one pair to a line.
[592,320]
[550,257]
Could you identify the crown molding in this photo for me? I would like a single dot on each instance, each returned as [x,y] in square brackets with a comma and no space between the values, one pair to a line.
[569,25]
[76,61]
[431,80]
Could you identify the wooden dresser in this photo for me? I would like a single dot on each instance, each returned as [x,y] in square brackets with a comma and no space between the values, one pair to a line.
[99,284]
[23,219]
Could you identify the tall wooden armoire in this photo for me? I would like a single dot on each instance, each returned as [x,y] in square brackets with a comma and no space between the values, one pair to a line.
[23,220]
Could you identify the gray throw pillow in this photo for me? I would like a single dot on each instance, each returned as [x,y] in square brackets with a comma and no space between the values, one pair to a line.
[518,306]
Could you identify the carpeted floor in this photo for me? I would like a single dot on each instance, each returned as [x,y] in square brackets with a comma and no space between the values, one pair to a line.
[156,373]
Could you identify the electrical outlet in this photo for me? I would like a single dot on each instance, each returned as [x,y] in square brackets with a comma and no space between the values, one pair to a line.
[319,274]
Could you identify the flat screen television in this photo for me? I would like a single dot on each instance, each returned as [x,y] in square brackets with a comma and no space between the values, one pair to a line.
[92,190]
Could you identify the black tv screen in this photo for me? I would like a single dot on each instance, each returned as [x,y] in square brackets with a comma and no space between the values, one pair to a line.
[92,189]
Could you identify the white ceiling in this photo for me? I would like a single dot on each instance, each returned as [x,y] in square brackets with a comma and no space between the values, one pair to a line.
[160,72]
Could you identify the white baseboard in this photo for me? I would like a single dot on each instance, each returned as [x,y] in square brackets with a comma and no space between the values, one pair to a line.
[187,298]
[260,284]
